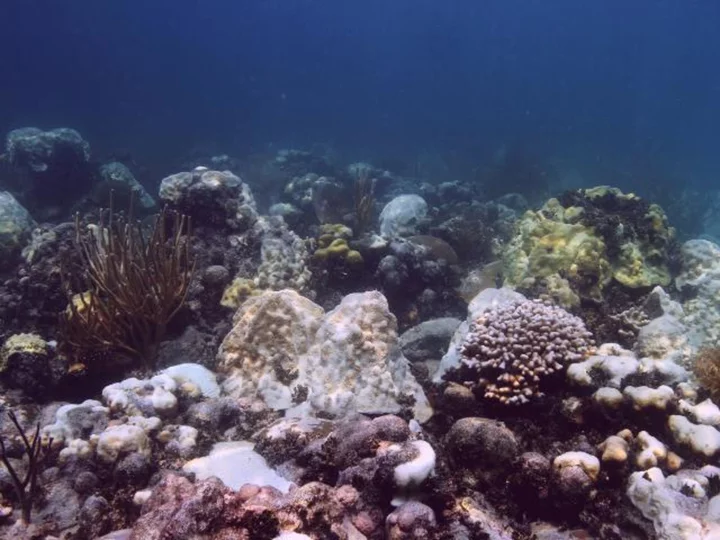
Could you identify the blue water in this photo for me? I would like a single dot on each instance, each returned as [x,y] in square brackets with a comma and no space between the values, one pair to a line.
[613,90]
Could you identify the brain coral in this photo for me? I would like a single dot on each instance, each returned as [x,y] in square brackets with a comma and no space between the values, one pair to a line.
[512,349]
[576,245]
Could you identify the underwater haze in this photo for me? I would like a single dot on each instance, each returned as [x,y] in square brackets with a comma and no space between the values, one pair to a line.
[606,90]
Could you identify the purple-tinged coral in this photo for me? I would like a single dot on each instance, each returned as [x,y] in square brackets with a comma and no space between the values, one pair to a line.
[512,348]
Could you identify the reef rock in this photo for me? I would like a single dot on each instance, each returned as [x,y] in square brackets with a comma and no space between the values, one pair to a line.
[16,225]
[297,358]
[45,150]
[428,341]
[116,176]
[403,215]
[213,198]
[178,508]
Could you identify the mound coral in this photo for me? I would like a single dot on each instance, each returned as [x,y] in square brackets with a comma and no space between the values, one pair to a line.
[333,245]
[512,349]
[575,246]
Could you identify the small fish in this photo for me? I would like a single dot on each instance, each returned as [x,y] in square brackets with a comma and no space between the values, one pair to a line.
[76,369]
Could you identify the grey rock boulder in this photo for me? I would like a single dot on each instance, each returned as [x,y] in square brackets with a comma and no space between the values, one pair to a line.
[403,216]
[428,341]
[117,176]
[16,226]
[45,150]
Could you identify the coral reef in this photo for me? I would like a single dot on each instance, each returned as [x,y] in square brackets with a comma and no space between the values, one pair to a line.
[29,362]
[57,166]
[133,288]
[699,279]
[280,401]
[417,280]
[239,290]
[32,295]
[118,180]
[44,150]
[707,370]
[476,231]
[284,255]
[333,245]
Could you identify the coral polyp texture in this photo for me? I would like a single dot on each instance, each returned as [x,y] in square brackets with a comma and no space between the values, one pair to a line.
[514,348]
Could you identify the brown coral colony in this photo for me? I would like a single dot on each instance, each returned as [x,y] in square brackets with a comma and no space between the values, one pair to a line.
[513,348]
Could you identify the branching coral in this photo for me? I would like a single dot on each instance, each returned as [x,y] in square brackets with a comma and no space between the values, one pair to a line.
[133,285]
[511,350]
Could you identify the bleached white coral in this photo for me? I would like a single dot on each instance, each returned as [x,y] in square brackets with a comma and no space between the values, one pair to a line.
[288,351]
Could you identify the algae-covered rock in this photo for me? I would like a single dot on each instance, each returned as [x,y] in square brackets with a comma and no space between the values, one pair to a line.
[25,363]
[576,245]
[239,290]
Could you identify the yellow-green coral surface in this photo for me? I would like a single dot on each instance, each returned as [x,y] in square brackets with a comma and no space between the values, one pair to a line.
[21,344]
[559,248]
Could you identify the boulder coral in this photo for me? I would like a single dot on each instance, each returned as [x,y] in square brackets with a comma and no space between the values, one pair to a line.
[333,245]
[575,246]
[285,349]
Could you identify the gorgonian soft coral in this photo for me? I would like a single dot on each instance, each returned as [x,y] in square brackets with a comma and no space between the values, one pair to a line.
[134,283]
